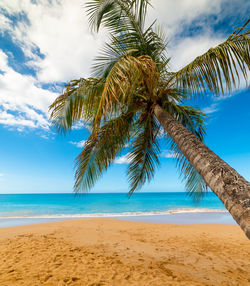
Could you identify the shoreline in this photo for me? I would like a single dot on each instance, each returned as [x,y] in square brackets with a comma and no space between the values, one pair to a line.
[117,214]
[106,252]
[190,217]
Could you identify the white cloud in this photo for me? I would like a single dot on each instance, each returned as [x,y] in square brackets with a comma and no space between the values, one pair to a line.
[125,159]
[187,49]
[167,154]
[79,144]
[22,101]
[161,132]
[127,145]
[122,159]
[1,177]
[82,125]
[61,31]
[210,109]
[176,15]
[178,18]
[4,23]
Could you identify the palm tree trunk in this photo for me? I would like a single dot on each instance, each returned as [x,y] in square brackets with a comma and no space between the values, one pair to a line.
[231,188]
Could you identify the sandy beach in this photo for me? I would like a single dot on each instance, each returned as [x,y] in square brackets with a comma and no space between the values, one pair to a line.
[112,252]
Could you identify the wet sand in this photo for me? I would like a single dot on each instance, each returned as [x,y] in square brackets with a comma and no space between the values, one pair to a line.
[113,252]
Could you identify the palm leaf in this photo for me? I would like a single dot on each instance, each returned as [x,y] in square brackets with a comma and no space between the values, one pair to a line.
[79,101]
[218,69]
[129,78]
[189,116]
[144,154]
[125,21]
[116,15]
[101,149]
[193,119]
[195,185]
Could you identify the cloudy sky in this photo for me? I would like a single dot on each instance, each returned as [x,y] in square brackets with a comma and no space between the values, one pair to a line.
[44,44]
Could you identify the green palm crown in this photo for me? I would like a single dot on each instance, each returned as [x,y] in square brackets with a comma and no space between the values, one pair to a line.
[130,77]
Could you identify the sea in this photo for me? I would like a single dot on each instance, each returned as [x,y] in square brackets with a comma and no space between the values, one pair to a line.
[171,207]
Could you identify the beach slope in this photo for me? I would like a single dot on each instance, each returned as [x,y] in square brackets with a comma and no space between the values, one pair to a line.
[111,252]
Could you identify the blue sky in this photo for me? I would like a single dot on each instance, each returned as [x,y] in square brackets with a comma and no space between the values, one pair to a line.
[44,44]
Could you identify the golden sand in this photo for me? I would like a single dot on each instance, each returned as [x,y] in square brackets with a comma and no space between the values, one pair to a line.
[111,252]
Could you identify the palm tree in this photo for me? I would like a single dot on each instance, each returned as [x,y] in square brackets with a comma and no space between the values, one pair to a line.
[132,95]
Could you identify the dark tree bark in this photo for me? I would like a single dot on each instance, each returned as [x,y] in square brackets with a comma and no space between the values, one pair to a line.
[230,187]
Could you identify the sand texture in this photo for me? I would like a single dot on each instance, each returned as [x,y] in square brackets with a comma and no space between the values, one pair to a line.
[111,252]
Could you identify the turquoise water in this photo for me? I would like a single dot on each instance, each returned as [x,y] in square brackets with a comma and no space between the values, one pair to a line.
[98,205]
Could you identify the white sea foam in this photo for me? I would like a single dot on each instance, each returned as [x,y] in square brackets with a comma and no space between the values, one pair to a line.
[124,214]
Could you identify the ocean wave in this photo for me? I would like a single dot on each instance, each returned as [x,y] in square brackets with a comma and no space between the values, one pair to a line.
[124,214]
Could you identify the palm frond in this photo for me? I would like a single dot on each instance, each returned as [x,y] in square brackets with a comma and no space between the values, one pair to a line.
[79,101]
[195,185]
[129,78]
[125,20]
[191,117]
[140,10]
[117,15]
[144,154]
[98,9]
[194,120]
[123,45]
[217,70]
[108,57]
[101,149]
